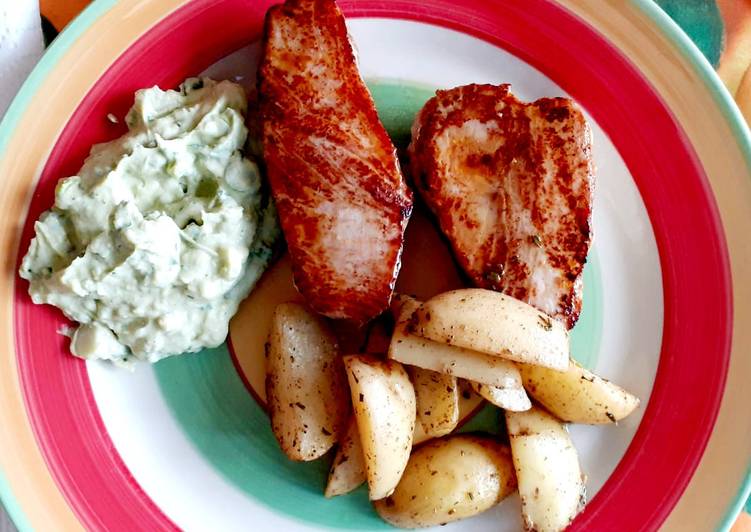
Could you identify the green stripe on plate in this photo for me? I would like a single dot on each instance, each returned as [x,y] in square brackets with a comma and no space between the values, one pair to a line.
[220,368]
[398,102]
[587,335]
[231,431]
[10,120]
[208,398]
[740,130]
[14,510]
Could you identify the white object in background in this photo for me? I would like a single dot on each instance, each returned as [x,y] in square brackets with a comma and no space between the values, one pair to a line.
[21,45]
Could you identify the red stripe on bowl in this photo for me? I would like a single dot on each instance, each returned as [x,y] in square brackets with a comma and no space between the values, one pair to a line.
[697,284]
[696,277]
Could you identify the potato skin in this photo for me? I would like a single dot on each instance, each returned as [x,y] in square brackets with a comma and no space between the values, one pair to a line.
[511,397]
[440,357]
[306,388]
[348,468]
[577,395]
[419,436]
[437,397]
[493,323]
[385,409]
[449,479]
[551,484]
[469,403]
[443,358]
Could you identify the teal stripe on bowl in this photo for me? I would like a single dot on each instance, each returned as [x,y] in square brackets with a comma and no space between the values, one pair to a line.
[231,431]
[12,507]
[99,7]
[587,334]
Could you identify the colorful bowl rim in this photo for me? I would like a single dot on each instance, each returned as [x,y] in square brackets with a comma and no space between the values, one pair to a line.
[740,128]
[89,16]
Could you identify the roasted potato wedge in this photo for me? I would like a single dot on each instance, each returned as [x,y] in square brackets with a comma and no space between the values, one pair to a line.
[450,479]
[443,358]
[348,468]
[385,410]
[469,404]
[551,484]
[577,395]
[493,323]
[437,398]
[510,397]
[306,387]
[419,435]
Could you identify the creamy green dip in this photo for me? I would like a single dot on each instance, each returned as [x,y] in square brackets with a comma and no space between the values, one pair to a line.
[162,233]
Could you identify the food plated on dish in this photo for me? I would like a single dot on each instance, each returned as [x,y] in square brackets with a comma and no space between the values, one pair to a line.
[506,391]
[165,230]
[511,186]
[343,204]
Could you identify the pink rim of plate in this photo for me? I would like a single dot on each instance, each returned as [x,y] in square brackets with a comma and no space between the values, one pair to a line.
[695,352]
